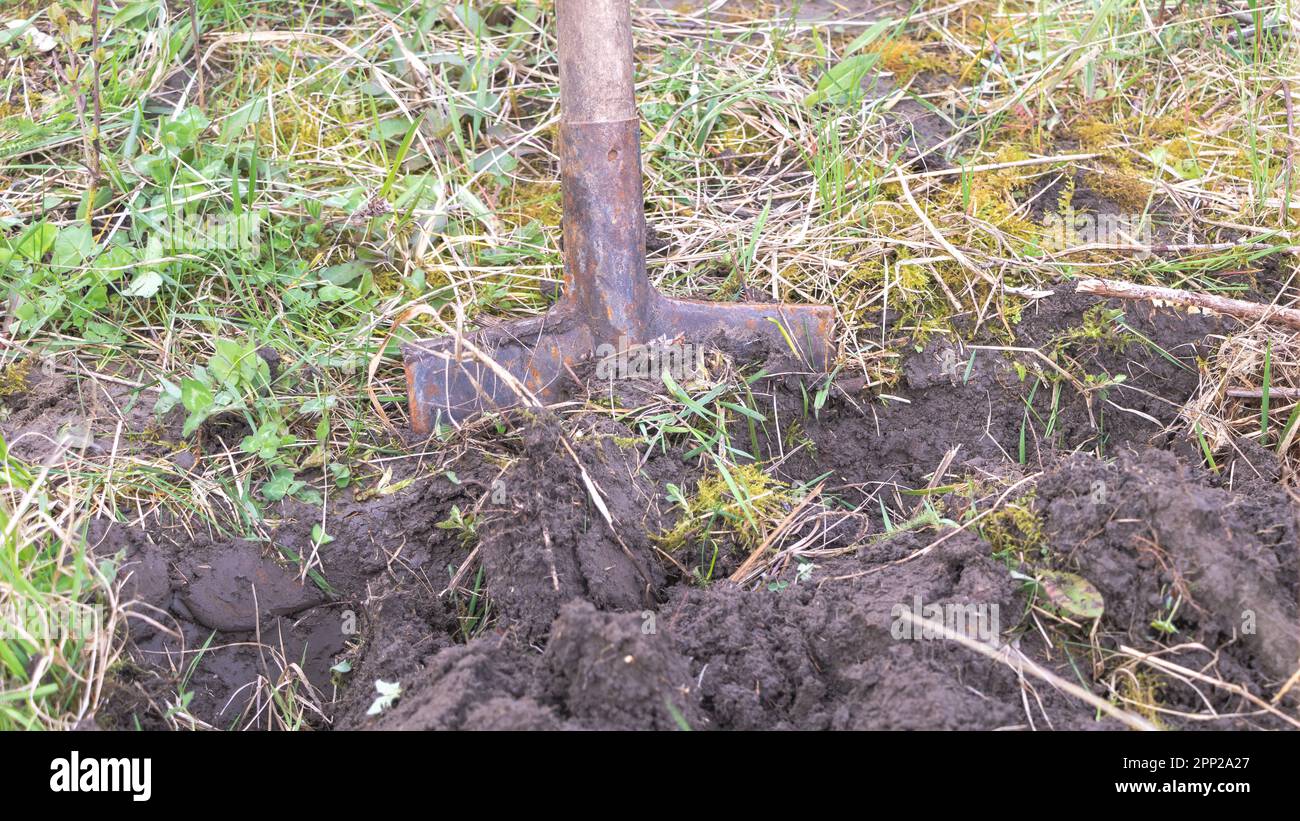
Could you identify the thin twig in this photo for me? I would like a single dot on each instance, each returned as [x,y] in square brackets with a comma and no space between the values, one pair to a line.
[1240,308]
[1258,393]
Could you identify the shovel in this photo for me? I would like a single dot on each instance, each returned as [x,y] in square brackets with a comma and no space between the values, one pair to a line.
[607,299]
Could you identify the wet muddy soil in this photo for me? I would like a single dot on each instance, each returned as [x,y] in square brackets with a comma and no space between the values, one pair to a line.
[568,613]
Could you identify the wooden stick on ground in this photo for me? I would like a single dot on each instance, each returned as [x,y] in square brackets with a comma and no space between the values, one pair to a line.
[1258,393]
[1252,311]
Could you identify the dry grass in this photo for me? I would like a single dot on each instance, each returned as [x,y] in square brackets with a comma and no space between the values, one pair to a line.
[1250,392]
[62,616]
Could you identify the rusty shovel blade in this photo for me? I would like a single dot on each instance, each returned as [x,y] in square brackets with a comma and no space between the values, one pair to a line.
[448,383]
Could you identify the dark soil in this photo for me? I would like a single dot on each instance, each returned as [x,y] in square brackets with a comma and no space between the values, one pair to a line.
[1141,527]
[590,626]
[577,555]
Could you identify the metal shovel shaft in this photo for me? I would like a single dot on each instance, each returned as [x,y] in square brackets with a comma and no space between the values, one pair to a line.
[600,170]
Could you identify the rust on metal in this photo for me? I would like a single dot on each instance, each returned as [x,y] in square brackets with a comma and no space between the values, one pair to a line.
[607,296]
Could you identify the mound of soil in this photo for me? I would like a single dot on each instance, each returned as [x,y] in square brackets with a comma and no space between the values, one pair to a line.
[599,670]
[807,657]
[576,554]
[1143,529]
[590,625]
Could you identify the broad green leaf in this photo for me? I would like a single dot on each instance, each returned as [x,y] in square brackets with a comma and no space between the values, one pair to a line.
[267,440]
[318,405]
[112,264]
[843,82]
[134,13]
[105,333]
[390,129]
[281,484]
[73,246]
[497,160]
[233,127]
[344,273]
[36,241]
[195,396]
[235,364]
[1071,594]
[183,130]
[329,292]
[145,285]
[224,363]
[168,397]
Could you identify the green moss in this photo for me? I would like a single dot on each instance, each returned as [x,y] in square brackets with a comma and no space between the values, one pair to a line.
[532,201]
[1095,135]
[1016,532]
[154,432]
[988,195]
[865,278]
[1065,201]
[1163,127]
[797,437]
[1100,328]
[1126,191]
[14,378]
[717,509]
[905,58]
[1141,692]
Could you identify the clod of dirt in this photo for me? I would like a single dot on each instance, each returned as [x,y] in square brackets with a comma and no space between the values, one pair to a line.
[1146,533]
[610,671]
[599,671]
[384,567]
[829,656]
[478,685]
[553,544]
[976,398]
[56,414]
[235,586]
[807,657]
